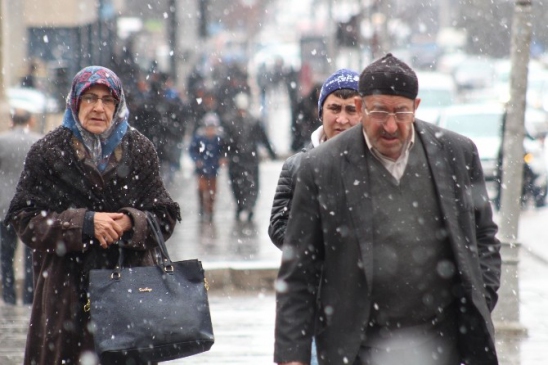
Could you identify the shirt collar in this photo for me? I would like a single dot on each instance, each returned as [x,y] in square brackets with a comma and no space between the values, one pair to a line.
[380,156]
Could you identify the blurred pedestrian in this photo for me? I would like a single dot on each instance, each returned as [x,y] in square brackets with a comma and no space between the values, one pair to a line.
[14,146]
[263,82]
[306,119]
[162,119]
[233,82]
[82,195]
[208,152]
[390,255]
[244,135]
[136,97]
[206,103]
[29,80]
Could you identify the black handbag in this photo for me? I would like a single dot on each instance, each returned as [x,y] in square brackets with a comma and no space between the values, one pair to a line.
[152,313]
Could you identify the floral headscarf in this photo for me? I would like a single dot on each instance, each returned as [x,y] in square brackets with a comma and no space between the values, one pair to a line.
[101,145]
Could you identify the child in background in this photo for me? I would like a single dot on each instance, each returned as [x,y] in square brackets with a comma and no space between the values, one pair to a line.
[207,150]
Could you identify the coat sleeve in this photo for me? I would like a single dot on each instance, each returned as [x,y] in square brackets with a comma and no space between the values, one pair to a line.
[298,278]
[281,204]
[486,230]
[49,231]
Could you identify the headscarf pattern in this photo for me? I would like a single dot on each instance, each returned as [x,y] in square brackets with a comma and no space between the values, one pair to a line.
[100,146]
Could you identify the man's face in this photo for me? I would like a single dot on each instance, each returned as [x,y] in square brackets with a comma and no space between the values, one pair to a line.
[96,115]
[388,137]
[339,115]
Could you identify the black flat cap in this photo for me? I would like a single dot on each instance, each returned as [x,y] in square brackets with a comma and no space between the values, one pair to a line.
[389,76]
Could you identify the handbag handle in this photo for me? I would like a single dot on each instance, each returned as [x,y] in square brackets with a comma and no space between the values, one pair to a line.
[157,232]
[166,262]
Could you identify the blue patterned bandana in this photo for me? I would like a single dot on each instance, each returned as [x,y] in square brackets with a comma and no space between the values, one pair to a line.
[100,146]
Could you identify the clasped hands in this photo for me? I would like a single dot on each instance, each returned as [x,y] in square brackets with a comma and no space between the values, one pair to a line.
[109,227]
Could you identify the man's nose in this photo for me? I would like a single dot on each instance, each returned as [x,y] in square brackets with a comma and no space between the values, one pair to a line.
[343,118]
[391,125]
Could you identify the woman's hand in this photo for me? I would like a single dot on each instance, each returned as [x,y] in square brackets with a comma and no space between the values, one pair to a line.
[109,227]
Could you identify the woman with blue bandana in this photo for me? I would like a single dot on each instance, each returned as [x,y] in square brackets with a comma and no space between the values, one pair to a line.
[83,193]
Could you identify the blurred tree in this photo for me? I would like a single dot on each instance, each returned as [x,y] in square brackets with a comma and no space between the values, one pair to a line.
[204,16]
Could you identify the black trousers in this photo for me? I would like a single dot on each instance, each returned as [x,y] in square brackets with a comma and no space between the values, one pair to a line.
[8,244]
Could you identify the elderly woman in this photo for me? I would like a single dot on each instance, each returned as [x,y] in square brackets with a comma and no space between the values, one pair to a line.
[85,186]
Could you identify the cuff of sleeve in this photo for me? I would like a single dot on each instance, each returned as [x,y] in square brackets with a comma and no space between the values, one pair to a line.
[88,229]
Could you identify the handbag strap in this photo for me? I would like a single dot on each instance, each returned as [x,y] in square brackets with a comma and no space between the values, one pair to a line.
[159,237]
[165,260]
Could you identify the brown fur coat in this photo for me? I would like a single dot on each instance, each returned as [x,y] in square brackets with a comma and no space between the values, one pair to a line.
[58,185]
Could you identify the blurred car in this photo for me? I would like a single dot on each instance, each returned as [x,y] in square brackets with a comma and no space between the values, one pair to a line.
[436,91]
[32,100]
[36,102]
[482,123]
[536,97]
[474,73]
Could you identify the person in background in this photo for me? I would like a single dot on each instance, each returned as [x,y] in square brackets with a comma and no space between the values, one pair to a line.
[14,146]
[337,113]
[207,104]
[208,152]
[161,118]
[83,194]
[390,254]
[244,134]
[305,121]
[29,80]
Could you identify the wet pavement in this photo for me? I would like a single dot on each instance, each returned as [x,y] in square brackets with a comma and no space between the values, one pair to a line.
[236,254]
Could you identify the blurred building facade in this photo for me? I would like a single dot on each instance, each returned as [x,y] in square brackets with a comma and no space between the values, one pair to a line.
[59,37]
[65,35]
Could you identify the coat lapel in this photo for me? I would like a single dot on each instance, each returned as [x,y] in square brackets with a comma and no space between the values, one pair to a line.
[444,181]
[355,178]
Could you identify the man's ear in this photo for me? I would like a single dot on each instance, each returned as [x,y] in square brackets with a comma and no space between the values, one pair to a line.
[417,102]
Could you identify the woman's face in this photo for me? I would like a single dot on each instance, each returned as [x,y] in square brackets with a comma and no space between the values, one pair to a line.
[96,109]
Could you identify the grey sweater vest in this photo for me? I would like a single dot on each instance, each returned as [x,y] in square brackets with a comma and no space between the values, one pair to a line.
[414,270]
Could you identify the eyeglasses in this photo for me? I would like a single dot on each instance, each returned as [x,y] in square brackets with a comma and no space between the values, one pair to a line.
[92,99]
[381,117]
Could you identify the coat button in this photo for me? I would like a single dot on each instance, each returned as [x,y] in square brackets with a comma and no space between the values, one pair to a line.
[66,224]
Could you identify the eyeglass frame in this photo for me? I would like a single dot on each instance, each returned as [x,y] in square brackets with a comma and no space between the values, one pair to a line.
[92,99]
[388,115]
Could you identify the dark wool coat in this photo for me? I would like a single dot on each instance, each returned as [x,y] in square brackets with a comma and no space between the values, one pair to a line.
[243,135]
[327,251]
[57,187]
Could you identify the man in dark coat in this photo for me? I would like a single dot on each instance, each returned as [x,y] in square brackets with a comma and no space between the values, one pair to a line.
[390,254]
[305,121]
[161,118]
[244,134]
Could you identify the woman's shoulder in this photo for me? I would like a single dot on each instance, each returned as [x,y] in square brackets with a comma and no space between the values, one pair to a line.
[56,138]
[138,139]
